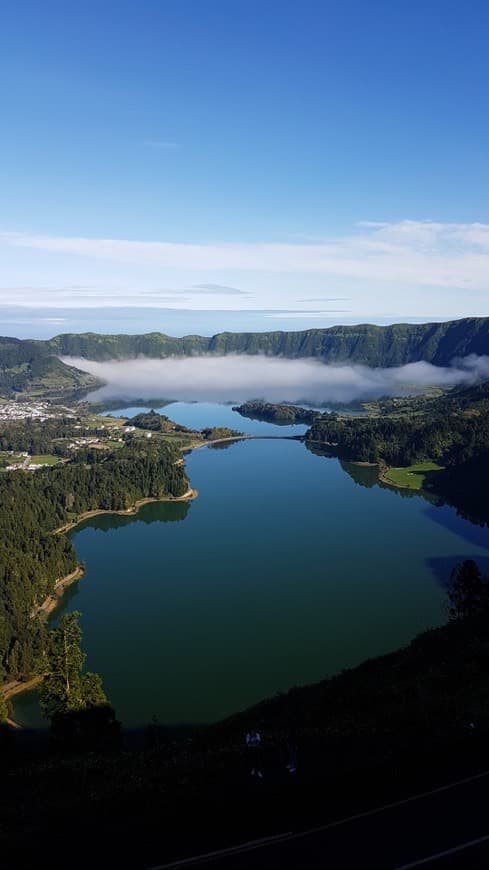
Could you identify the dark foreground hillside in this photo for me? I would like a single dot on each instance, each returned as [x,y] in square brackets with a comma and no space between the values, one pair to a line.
[392,727]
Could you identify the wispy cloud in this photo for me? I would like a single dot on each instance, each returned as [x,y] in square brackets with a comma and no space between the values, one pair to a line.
[220,290]
[326,299]
[408,253]
[306,315]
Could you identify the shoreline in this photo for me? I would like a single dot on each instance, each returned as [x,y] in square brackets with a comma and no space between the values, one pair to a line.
[240,437]
[51,602]
[189,495]
[17,687]
[383,479]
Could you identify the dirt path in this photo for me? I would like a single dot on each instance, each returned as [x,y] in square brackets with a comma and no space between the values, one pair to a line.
[52,601]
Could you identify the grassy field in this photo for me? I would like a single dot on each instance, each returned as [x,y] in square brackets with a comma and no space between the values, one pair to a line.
[411,477]
[108,445]
[47,459]
[95,421]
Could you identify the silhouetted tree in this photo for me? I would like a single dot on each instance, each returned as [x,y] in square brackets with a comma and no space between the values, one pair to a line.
[469,591]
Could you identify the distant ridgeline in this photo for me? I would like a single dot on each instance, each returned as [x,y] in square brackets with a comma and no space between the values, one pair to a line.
[32,367]
[370,345]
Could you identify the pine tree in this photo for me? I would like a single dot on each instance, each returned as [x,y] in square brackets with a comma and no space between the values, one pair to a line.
[469,591]
[64,689]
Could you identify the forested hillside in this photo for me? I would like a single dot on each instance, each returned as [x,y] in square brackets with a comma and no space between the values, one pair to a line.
[367,344]
[275,413]
[30,367]
[32,506]
[450,430]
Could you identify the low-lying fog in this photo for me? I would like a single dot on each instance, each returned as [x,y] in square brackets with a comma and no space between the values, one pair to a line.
[237,378]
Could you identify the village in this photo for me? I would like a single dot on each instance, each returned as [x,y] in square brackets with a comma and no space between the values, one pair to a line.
[40,410]
[92,431]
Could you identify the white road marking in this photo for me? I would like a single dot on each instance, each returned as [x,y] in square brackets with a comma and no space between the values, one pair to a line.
[225,853]
[438,855]
[291,835]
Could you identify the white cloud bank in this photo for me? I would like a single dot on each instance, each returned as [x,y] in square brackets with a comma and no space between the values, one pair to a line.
[406,253]
[423,252]
[388,272]
[237,378]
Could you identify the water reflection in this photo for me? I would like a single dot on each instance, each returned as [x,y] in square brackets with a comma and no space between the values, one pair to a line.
[222,445]
[363,475]
[155,512]
[460,525]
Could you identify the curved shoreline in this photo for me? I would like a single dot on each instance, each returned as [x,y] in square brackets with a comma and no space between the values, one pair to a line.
[190,495]
[383,479]
[17,687]
[51,602]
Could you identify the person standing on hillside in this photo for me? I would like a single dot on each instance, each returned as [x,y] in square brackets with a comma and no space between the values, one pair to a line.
[291,766]
[253,742]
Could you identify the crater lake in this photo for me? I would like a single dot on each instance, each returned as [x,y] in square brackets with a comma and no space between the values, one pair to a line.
[287,568]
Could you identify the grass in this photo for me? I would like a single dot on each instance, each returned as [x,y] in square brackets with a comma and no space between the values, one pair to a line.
[108,445]
[47,459]
[96,421]
[411,477]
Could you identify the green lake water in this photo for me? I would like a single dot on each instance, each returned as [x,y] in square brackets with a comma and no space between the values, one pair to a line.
[288,567]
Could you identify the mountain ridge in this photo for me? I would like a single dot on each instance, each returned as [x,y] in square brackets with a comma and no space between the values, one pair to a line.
[32,366]
[29,368]
[367,344]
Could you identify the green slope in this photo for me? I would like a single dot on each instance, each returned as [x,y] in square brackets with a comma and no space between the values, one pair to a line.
[367,344]
[30,369]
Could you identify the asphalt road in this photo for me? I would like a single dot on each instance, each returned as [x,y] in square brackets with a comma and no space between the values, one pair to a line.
[444,829]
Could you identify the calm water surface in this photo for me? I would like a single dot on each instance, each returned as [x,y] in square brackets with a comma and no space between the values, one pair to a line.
[197,415]
[288,567]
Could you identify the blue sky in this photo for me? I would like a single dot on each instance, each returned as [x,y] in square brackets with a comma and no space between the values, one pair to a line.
[185,160]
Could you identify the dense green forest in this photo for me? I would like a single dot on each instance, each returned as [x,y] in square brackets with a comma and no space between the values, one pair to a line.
[450,431]
[273,413]
[153,422]
[446,440]
[47,436]
[33,505]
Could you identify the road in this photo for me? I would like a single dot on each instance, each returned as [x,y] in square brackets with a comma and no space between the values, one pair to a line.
[446,829]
